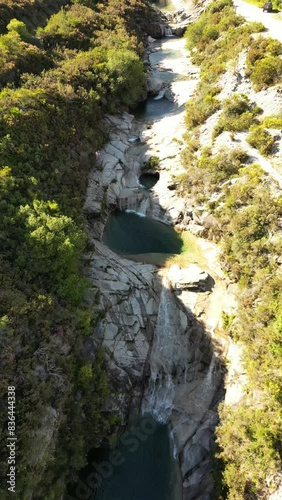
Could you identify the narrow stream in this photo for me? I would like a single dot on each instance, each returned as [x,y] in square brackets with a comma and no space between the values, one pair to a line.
[149,470]
[144,466]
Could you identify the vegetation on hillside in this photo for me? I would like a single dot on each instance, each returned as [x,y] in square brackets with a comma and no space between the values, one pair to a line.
[216,37]
[247,211]
[56,85]
[264,64]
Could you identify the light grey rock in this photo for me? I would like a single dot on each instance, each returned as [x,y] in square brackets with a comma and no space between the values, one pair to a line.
[196,229]
[154,84]
[159,356]
[189,277]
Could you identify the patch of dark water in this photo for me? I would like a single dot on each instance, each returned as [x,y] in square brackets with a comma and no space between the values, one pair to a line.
[141,466]
[130,234]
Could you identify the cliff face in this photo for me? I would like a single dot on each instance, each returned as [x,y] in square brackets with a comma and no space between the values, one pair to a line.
[160,357]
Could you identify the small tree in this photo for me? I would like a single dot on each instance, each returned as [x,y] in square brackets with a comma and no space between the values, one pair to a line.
[20,28]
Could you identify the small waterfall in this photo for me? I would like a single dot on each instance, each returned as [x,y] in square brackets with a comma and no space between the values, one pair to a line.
[207,390]
[130,203]
[161,395]
[160,94]
[161,387]
[127,203]
[137,204]
[142,209]
[168,31]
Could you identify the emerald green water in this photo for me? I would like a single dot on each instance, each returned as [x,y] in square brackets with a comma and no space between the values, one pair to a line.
[129,234]
[141,466]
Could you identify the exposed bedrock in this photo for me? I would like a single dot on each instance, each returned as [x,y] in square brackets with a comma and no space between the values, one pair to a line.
[161,359]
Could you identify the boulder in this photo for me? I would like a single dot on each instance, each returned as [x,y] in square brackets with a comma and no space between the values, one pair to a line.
[178,29]
[154,29]
[154,85]
[197,229]
[191,277]
[169,95]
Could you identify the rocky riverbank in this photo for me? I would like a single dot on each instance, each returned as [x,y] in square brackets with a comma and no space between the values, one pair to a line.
[161,332]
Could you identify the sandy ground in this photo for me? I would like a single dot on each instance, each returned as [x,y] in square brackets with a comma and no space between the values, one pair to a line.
[161,137]
[252,13]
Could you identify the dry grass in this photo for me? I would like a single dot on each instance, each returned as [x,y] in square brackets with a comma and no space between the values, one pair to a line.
[191,253]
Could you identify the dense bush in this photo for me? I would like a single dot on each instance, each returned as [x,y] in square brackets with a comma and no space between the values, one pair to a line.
[266,72]
[247,226]
[72,27]
[238,114]
[214,169]
[218,36]
[203,105]
[218,17]
[212,53]
[18,57]
[49,131]
[264,65]
[261,139]
[20,28]
[249,433]
[272,121]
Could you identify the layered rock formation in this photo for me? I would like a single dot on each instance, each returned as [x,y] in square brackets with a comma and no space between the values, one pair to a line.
[160,357]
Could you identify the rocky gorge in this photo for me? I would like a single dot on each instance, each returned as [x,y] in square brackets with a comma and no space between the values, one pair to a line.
[164,318]
[160,326]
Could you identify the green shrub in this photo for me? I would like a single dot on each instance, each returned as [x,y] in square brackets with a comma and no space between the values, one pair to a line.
[272,122]
[266,72]
[255,27]
[260,139]
[248,441]
[261,48]
[219,5]
[210,33]
[247,214]
[50,129]
[152,164]
[72,27]
[20,28]
[264,65]
[199,110]
[218,17]
[237,114]
[213,169]
[18,57]
[203,105]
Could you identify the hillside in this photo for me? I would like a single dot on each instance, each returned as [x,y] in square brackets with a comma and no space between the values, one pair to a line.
[59,73]
[232,162]
[89,337]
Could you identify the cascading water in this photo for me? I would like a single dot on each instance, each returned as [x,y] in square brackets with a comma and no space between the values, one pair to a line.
[142,209]
[131,203]
[161,387]
[208,383]
[160,95]
[168,31]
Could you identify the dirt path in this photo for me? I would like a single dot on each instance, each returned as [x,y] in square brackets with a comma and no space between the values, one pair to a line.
[253,13]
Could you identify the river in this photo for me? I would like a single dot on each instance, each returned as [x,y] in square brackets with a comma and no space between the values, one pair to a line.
[145,466]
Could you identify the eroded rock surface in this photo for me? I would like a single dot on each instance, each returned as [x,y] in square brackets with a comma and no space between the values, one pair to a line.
[161,357]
